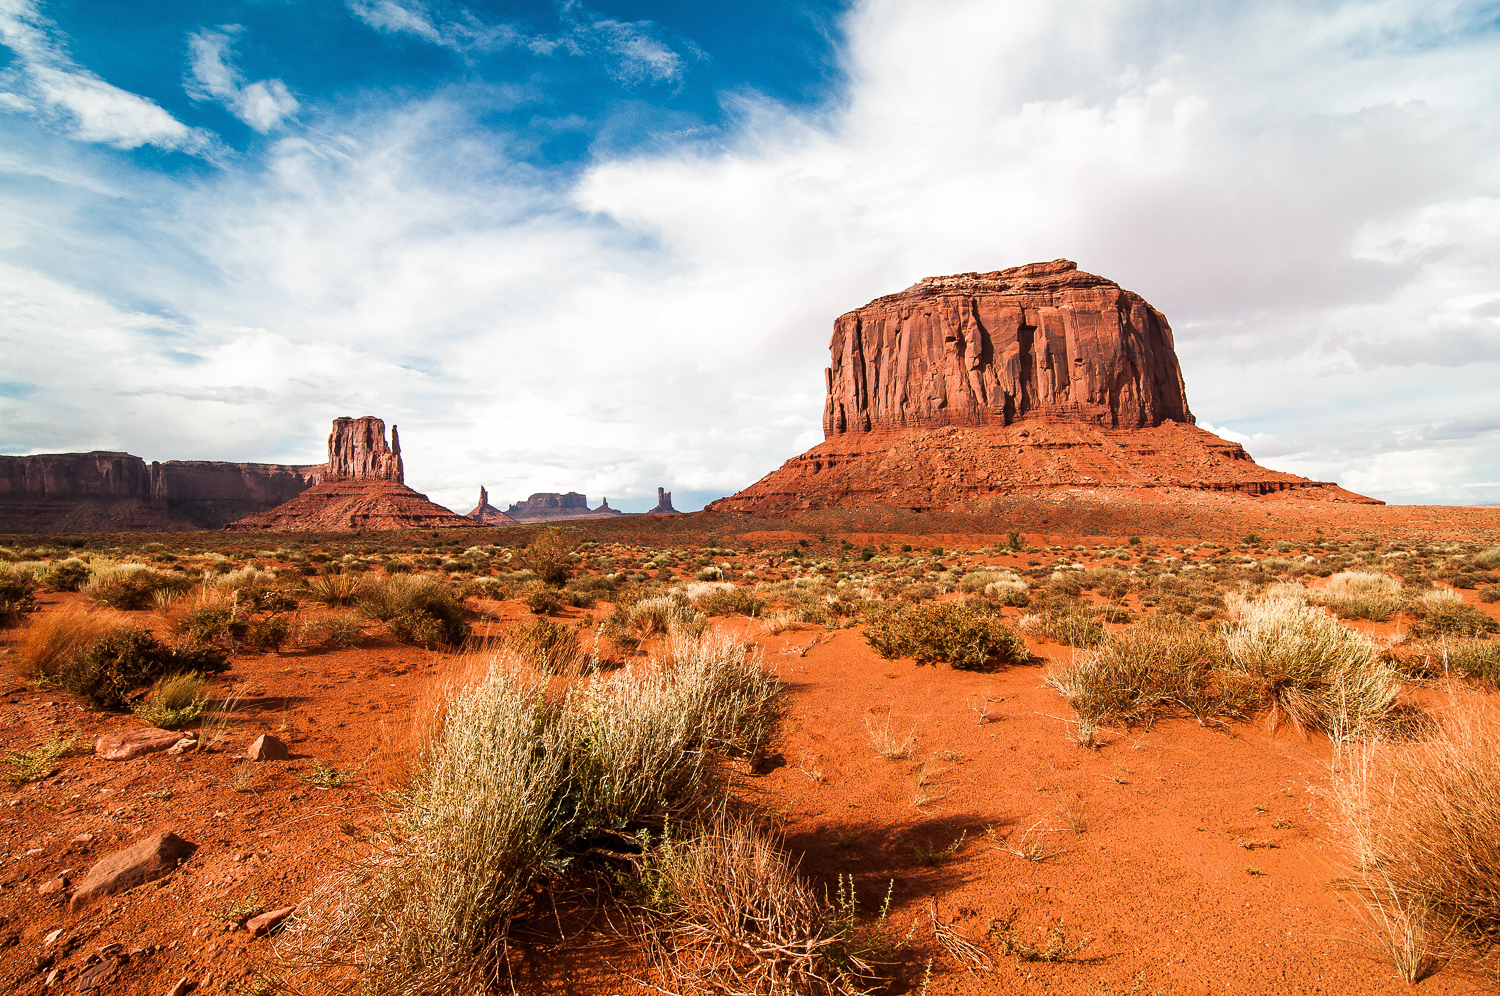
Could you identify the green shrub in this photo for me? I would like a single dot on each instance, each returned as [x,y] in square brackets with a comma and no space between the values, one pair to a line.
[540,599]
[1489,559]
[173,701]
[16,598]
[547,557]
[964,635]
[68,575]
[107,672]
[418,609]
[130,586]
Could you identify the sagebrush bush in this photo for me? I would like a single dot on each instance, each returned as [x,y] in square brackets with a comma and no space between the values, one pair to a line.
[551,647]
[16,595]
[539,598]
[130,586]
[966,636]
[1362,595]
[511,788]
[336,629]
[107,672]
[1066,622]
[416,609]
[1423,820]
[731,601]
[68,575]
[1304,666]
[335,590]
[1161,663]
[1488,559]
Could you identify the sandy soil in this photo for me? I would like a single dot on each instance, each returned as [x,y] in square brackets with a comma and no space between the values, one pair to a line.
[1192,859]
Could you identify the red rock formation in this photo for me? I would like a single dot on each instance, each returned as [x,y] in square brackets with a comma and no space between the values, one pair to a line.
[989,348]
[663,503]
[346,504]
[488,515]
[549,506]
[1035,378]
[357,450]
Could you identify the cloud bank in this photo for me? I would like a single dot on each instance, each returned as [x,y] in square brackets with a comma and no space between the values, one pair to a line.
[1308,191]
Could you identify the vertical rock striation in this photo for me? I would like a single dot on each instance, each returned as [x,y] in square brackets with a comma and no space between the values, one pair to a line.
[357,451]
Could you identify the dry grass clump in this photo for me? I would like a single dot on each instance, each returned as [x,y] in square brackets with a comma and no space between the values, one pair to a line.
[727,911]
[730,601]
[966,635]
[1442,612]
[1423,819]
[130,586]
[511,788]
[1303,666]
[335,590]
[336,629]
[656,615]
[418,609]
[55,638]
[1362,595]
[1159,663]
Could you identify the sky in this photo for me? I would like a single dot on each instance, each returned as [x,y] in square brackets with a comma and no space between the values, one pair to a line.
[600,247]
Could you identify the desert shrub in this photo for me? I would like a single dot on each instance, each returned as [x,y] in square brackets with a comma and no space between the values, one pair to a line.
[1423,819]
[130,586]
[540,599]
[576,598]
[511,789]
[68,575]
[22,766]
[1006,592]
[964,635]
[417,609]
[55,638]
[546,645]
[658,615]
[732,601]
[1476,659]
[1490,593]
[336,629]
[1159,663]
[269,633]
[173,701]
[335,590]
[1303,666]
[16,599]
[547,557]
[107,672]
[1488,559]
[1067,622]
[1442,612]
[246,577]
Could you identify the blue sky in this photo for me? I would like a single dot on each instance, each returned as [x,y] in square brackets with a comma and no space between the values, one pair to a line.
[600,247]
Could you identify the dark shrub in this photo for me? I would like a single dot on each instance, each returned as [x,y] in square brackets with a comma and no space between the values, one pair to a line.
[540,599]
[420,609]
[16,588]
[106,674]
[68,575]
[731,601]
[967,637]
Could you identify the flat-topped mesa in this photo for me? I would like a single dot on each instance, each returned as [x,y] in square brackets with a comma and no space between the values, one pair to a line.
[1041,340]
[357,451]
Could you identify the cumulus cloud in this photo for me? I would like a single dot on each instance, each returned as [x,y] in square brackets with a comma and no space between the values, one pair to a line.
[262,105]
[45,82]
[1306,190]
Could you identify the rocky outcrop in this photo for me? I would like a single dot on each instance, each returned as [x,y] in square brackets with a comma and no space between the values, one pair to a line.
[1043,340]
[488,515]
[77,492]
[357,451]
[663,503]
[348,504]
[548,506]
[1031,379]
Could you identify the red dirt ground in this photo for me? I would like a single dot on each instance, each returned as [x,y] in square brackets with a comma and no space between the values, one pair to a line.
[1159,880]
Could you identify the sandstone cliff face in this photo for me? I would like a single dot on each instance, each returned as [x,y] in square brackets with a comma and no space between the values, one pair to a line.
[1031,379]
[74,475]
[357,450]
[345,504]
[1043,340]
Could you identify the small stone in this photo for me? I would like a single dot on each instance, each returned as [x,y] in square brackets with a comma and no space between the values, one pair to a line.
[152,858]
[267,922]
[111,949]
[187,743]
[95,975]
[267,748]
[83,838]
[55,885]
[133,743]
[180,989]
[51,938]
[53,976]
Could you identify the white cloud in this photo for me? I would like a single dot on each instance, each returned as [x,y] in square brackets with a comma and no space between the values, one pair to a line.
[262,105]
[46,82]
[1307,191]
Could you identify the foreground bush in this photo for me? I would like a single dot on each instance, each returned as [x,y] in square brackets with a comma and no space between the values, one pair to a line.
[548,646]
[173,701]
[1362,595]
[1442,612]
[417,609]
[1424,822]
[68,575]
[1159,664]
[107,672]
[1303,666]
[510,789]
[965,636]
[130,587]
[16,595]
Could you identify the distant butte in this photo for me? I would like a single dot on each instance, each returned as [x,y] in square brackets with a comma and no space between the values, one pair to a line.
[549,506]
[488,515]
[363,487]
[1031,379]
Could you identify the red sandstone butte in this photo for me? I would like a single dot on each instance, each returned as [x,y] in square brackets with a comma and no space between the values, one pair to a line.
[363,488]
[488,515]
[1030,379]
